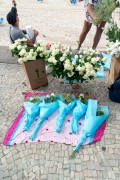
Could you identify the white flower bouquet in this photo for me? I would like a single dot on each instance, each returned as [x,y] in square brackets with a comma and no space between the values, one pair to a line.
[78,112]
[114,48]
[41,49]
[56,59]
[82,67]
[112,31]
[47,108]
[87,64]
[66,104]
[18,46]
[26,53]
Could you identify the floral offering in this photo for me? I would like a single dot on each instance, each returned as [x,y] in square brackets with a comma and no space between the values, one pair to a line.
[114,48]
[82,67]
[32,108]
[112,31]
[66,104]
[47,108]
[78,112]
[26,53]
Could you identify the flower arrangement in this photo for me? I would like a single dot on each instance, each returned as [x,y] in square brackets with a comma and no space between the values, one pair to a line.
[26,53]
[114,48]
[41,49]
[78,112]
[56,59]
[112,31]
[31,105]
[18,46]
[87,63]
[66,104]
[83,99]
[33,99]
[94,117]
[67,98]
[47,108]
[50,98]
[83,66]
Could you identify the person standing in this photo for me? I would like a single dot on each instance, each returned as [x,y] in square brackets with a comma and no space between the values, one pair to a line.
[90,17]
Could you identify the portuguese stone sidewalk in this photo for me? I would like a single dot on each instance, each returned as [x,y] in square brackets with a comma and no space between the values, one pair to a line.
[50,161]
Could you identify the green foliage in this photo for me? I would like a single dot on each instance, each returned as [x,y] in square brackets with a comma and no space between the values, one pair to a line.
[84,100]
[73,154]
[50,98]
[103,10]
[112,31]
[33,99]
[100,113]
[67,98]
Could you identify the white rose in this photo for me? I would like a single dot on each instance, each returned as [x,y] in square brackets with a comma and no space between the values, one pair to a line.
[49,59]
[53,94]
[53,53]
[93,73]
[35,45]
[20,60]
[88,66]
[41,48]
[94,60]
[67,61]
[41,55]
[85,76]
[84,52]
[88,73]
[81,95]
[25,59]
[22,52]
[38,49]
[104,59]
[31,50]
[64,55]
[62,58]
[19,47]
[54,61]
[68,67]
[33,58]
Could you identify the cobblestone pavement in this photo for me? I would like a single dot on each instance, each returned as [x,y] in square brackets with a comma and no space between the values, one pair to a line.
[100,161]
[56,22]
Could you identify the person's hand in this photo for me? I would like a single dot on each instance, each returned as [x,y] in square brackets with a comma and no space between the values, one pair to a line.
[14,2]
[36,33]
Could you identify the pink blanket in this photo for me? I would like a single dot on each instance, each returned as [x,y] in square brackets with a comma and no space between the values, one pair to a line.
[47,132]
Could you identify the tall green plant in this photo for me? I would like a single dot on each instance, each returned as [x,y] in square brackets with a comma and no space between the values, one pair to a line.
[103,10]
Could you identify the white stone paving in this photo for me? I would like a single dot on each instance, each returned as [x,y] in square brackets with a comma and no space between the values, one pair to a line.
[58,21]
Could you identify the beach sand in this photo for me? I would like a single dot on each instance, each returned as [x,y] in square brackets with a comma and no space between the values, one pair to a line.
[56,21]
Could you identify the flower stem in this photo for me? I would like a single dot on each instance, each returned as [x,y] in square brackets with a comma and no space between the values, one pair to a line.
[73,154]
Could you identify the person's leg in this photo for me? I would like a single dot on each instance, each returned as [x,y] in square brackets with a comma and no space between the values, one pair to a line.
[98,34]
[85,30]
